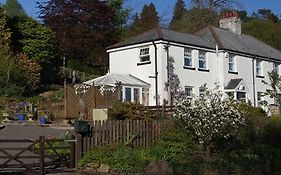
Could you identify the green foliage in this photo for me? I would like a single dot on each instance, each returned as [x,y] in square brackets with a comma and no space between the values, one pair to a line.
[129,110]
[38,43]
[5,34]
[200,18]
[173,147]
[148,19]
[179,11]
[83,67]
[14,8]
[272,131]
[264,30]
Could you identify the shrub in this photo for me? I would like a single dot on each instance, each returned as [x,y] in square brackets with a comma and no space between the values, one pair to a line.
[129,110]
[208,117]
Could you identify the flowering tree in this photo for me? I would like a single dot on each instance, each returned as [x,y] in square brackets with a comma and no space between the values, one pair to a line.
[208,117]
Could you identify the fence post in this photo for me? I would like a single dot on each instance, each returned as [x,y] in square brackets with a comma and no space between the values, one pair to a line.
[41,151]
[72,153]
[78,148]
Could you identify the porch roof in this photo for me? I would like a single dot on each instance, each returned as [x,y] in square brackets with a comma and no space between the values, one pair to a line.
[114,79]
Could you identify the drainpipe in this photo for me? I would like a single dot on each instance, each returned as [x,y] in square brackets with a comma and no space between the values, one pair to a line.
[156,74]
[254,83]
[169,97]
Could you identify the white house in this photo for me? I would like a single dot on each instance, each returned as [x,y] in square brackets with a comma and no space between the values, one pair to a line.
[237,63]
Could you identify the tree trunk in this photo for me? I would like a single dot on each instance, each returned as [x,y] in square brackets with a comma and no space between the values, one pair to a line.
[208,152]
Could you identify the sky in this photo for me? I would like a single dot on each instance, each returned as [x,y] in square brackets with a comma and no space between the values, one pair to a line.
[165,7]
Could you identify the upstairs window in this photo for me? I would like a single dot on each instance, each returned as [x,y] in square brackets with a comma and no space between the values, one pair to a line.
[202,60]
[187,57]
[144,55]
[276,67]
[259,67]
[231,63]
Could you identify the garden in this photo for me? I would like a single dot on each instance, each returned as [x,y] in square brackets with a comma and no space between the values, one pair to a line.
[208,136]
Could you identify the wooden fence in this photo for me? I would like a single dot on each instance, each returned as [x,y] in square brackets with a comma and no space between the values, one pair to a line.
[132,133]
[36,157]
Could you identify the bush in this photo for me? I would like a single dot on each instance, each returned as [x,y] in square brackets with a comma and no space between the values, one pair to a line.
[129,110]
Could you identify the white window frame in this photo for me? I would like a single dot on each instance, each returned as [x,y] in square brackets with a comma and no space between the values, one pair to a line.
[259,68]
[191,88]
[188,56]
[144,53]
[232,63]
[140,90]
[260,98]
[202,91]
[202,57]
[276,67]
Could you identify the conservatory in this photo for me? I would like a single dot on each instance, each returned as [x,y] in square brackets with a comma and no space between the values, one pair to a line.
[126,86]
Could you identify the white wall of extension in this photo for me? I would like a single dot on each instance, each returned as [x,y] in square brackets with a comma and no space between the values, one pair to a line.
[126,60]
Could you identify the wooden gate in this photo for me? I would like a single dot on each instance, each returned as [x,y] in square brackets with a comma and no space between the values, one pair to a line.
[36,157]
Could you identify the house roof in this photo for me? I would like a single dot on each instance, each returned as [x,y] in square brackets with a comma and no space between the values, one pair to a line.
[166,35]
[233,83]
[208,37]
[114,79]
[245,44]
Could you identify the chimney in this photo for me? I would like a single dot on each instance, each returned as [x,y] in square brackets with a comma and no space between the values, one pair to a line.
[232,22]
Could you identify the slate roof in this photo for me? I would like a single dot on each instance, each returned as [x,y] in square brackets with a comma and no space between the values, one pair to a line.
[113,79]
[245,44]
[166,35]
[233,83]
[208,37]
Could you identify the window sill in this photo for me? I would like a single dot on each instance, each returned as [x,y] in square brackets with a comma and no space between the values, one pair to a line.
[232,72]
[259,76]
[203,70]
[190,68]
[143,63]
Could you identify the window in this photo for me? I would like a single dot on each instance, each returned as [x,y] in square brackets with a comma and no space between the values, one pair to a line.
[259,67]
[137,95]
[128,94]
[202,91]
[231,63]
[241,96]
[260,98]
[276,67]
[202,60]
[144,55]
[188,91]
[187,57]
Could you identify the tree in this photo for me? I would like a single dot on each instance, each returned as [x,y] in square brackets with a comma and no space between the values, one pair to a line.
[31,72]
[179,11]
[212,4]
[209,117]
[147,20]
[196,19]
[274,90]
[14,8]
[85,28]
[267,14]
[38,43]
[5,34]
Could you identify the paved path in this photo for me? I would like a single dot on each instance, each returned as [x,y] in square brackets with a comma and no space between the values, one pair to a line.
[31,132]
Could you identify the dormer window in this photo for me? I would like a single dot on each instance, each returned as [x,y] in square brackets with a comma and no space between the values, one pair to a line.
[144,55]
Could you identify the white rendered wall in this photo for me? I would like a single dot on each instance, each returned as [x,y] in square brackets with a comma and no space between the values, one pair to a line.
[124,61]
